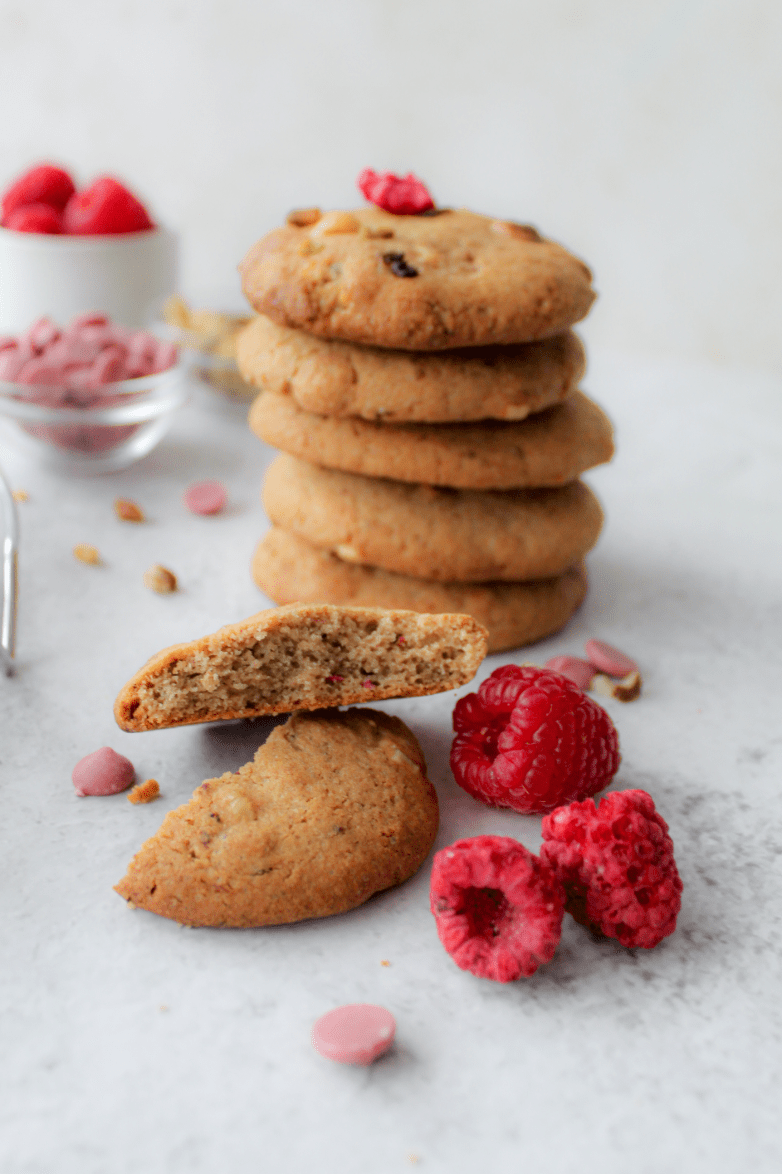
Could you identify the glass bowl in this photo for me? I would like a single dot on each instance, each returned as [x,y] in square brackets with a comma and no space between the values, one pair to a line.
[92,431]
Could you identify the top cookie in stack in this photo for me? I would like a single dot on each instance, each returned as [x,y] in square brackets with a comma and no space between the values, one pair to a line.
[423,379]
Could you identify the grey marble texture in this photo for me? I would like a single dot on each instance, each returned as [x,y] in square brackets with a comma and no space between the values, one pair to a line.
[131,1044]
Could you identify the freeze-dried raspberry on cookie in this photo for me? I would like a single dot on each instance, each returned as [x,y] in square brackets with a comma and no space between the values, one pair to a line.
[616,863]
[404,195]
[498,908]
[531,740]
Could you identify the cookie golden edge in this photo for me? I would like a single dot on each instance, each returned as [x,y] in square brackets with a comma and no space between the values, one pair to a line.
[193,682]
[316,870]
[545,450]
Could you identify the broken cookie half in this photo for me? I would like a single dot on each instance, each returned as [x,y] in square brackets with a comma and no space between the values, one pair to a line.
[302,656]
[333,808]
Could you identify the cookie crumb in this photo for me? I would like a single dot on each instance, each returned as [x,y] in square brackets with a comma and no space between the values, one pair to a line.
[145,792]
[625,690]
[384,962]
[20,495]
[413,1159]
[160,579]
[128,511]
[87,554]
[164,1007]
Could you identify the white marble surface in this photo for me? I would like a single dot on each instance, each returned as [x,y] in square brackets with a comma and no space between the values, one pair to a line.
[130,1044]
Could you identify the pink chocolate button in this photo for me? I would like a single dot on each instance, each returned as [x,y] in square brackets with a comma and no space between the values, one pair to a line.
[580,672]
[104,772]
[355,1034]
[609,659]
[207,497]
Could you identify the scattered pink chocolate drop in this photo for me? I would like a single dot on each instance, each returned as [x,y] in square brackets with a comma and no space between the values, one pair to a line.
[355,1034]
[104,772]
[206,497]
[580,672]
[609,659]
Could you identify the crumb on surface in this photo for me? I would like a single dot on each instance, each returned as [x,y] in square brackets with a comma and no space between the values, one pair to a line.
[160,579]
[20,495]
[145,792]
[87,554]
[127,510]
[628,689]
[384,962]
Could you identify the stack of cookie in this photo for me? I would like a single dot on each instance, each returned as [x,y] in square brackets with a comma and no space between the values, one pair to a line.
[421,379]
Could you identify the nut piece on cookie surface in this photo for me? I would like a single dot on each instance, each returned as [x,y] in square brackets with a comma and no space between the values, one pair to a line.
[333,808]
[302,656]
[304,217]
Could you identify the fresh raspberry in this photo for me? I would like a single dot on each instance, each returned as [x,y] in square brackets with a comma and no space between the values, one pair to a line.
[616,863]
[530,739]
[34,218]
[44,184]
[498,908]
[404,195]
[105,207]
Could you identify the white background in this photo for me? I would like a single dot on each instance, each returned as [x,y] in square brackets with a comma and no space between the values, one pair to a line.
[646,136]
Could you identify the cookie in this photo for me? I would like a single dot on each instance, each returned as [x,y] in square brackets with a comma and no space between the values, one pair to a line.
[286,567]
[443,534]
[426,282]
[301,657]
[333,808]
[547,449]
[476,383]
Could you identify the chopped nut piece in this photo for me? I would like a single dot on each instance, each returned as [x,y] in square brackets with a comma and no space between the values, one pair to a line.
[336,222]
[160,579]
[145,792]
[523,232]
[20,495]
[128,511]
[625,690]
[302,217]
[309,246]
[87,554]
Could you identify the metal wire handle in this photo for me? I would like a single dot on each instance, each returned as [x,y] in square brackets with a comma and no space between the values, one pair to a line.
[10,578]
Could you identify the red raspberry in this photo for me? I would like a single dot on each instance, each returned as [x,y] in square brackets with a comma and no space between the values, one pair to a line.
[105,207]
[34,218]
[498,908]
[530,739]
[403,195]
[616,863]
[44,184]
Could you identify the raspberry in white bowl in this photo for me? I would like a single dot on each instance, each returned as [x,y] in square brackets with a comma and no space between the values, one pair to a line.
[66,251]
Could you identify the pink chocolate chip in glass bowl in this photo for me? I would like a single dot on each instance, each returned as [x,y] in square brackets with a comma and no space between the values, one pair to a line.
[104,772]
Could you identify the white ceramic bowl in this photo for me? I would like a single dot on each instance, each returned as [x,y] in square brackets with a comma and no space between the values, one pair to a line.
[123,276]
